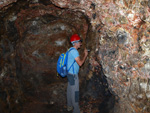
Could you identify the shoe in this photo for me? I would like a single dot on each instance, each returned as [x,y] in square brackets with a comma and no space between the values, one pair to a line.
[69,108]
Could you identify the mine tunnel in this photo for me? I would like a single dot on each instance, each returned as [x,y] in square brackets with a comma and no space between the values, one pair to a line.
[33,37]
[113,79]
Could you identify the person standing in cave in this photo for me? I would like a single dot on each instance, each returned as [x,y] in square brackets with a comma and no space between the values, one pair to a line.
[74,62]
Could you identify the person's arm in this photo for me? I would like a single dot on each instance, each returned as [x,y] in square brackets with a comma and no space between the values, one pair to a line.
[79,61]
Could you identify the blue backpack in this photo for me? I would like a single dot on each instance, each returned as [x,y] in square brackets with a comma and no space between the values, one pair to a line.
[62,63]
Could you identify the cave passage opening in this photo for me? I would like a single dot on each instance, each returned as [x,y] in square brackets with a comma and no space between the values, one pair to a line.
[33,36]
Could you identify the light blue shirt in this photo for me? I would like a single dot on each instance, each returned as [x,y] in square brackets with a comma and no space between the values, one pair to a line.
[71,58]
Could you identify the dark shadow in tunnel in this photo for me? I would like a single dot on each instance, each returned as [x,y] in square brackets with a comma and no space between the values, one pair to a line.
[95,91]
[109,99]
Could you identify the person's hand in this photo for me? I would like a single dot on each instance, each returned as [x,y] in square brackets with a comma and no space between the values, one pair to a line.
[85,52]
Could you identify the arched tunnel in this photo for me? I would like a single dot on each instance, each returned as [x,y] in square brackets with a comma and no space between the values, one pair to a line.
[113,79]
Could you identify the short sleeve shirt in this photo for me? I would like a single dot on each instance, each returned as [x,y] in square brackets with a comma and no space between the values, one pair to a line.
[71,60]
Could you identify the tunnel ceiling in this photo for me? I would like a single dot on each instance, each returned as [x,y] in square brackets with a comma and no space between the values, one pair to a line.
[33,33]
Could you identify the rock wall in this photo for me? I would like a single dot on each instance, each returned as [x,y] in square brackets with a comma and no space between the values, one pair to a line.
[116,31]
[122,43]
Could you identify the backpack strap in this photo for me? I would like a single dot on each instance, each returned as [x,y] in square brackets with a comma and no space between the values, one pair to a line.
[70,49]
[71,66]
[67,59]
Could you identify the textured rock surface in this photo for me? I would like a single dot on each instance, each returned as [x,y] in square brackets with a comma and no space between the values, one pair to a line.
[34,33]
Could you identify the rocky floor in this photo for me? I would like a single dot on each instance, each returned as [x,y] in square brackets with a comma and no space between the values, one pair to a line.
[52,99]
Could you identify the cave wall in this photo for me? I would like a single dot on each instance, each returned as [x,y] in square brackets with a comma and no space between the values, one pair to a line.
[118,36]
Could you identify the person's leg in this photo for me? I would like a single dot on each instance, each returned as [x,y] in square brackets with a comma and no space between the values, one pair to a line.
[71,84]
[69,103]
[75,96]
[76,103]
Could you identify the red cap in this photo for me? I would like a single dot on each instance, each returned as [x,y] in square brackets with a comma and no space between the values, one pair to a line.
[74,38]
